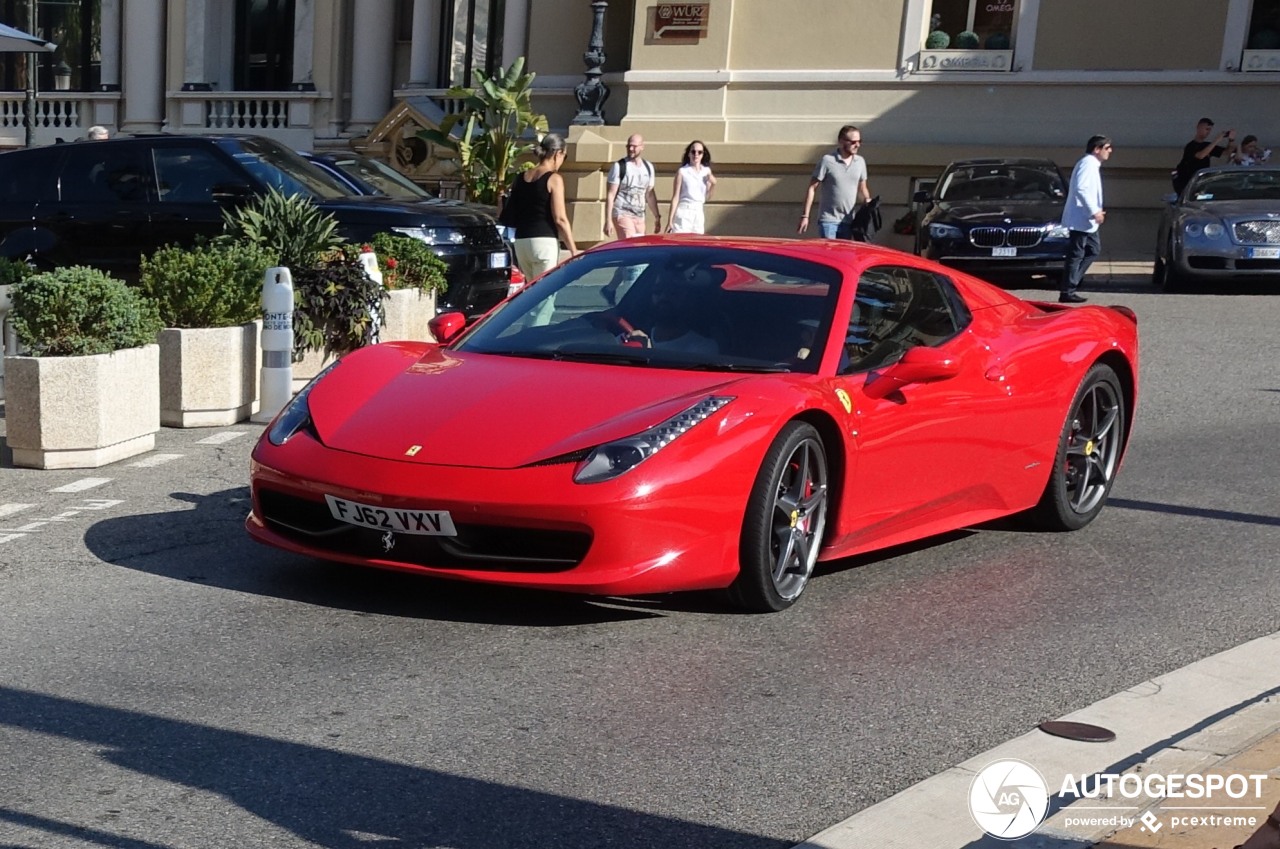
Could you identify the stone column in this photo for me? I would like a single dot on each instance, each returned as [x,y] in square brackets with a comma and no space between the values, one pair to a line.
[304,42]
[515,32]
[109,70]
[371,64]
[144,58]
[195,68]
[424,50]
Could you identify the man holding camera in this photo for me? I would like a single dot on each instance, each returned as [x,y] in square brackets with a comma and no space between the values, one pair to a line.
[1199,152]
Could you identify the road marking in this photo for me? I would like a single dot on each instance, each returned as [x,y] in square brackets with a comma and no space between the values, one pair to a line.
[219,438]
[81,485]
[156,460]
[22,531]
[10,509]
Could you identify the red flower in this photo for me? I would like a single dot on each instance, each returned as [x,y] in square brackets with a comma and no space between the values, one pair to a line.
[391,262]
[366,249]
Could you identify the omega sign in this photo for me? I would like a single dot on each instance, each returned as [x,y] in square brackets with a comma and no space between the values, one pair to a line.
[680,21]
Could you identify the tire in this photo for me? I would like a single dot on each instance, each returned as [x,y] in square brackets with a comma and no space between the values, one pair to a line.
[1089,450]
[786,518]
[1165,276]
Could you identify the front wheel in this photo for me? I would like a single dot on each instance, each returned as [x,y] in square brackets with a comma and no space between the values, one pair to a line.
[785,521]
[1088,456]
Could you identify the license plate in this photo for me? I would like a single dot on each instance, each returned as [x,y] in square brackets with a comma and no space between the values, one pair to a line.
[1264,253]
[1004,251]
[422,522]
[498,260]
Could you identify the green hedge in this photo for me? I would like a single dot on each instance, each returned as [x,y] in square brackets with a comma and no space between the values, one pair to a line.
[77,311]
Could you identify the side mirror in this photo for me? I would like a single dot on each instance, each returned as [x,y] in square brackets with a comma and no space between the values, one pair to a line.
[918,365]
[922,197]
[1172,197]
[447,326]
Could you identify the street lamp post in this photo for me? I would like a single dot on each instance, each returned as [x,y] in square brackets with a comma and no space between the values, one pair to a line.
[591,92]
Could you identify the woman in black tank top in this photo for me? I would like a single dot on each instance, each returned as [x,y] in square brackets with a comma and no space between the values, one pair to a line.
[535,208]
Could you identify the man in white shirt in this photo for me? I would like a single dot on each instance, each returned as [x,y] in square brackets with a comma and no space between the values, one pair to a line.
[1083,215]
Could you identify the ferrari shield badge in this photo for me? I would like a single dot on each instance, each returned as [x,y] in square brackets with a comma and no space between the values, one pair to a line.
[844,400]
[413,449]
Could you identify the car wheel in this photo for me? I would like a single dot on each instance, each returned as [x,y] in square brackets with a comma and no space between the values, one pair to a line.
[786,518]
[1088,455]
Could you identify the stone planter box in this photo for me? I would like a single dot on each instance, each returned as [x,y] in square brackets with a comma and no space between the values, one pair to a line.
[407,312]
[82,412]
[208,375]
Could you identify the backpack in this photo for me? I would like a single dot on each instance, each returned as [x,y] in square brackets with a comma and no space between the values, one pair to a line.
[622,171]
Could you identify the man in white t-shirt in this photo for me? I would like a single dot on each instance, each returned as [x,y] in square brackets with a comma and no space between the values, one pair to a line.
[631,192]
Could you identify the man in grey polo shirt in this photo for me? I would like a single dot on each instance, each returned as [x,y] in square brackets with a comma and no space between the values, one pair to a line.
[843,177]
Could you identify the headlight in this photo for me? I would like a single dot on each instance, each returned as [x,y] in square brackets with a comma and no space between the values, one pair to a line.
[1057,231]
[1207,229]
[297,413]
[434,235]
[944,231]
[608,461]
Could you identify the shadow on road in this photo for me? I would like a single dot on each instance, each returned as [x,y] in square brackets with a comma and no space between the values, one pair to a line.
[335,799]
[208,545]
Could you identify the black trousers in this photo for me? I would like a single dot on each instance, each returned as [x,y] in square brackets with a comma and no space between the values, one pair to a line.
[1081,252]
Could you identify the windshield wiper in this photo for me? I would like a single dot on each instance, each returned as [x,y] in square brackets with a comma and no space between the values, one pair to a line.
[734,367]
[627,358]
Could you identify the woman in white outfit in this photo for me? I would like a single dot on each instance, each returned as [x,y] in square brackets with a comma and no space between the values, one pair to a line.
[693,187]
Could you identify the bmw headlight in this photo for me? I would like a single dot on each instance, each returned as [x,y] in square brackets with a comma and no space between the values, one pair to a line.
[608,461]
[434,235]
[944,231]
[1057,231]
[297,413]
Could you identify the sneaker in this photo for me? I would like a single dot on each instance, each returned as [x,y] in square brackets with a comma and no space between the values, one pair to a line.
[1073,298]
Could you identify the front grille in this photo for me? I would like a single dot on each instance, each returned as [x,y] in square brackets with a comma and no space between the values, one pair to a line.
[1258,232]
[999,237]
[476,547]
[483,236]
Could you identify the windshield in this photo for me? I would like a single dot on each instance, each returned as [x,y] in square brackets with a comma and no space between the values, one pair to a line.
[1236,184]
[1002,183]
[691,307]
[381,176]
[282,169]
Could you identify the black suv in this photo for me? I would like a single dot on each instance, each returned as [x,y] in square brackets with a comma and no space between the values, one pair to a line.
[108,203]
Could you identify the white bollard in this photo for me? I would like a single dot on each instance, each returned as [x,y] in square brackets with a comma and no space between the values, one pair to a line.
[369,260]
[275,387]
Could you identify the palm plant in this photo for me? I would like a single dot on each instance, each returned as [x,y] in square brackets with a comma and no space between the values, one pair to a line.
[496,130]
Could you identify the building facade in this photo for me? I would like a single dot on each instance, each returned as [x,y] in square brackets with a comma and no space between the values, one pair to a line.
[766,85]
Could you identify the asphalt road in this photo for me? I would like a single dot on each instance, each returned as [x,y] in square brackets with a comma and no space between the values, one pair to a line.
[164,682]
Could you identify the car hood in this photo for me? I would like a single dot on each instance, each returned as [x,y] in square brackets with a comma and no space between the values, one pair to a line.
[432,212]
[433,406]
[995,212]
[1234,209]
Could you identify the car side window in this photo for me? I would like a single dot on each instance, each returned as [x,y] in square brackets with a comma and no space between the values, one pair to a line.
[191,174]
[104,173]
[896,309]
[30,177]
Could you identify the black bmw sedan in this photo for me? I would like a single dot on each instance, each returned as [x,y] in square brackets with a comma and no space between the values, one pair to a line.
[996,218]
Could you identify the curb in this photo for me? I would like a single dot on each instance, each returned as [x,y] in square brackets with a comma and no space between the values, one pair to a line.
[1221,710]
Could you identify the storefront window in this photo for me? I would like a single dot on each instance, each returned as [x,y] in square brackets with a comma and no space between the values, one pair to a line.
[73,25]
[473,39]
[1264,26]
[971,25]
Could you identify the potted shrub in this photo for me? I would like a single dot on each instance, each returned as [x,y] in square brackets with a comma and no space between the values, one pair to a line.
[299,234]
[412,275]
[89,393]
[336,305]
[210,301]
[12,271]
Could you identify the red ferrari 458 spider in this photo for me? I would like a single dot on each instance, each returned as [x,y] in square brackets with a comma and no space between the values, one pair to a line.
[680,413]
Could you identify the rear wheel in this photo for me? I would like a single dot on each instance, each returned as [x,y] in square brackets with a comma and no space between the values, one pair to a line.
[786,518]
[1088,456]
